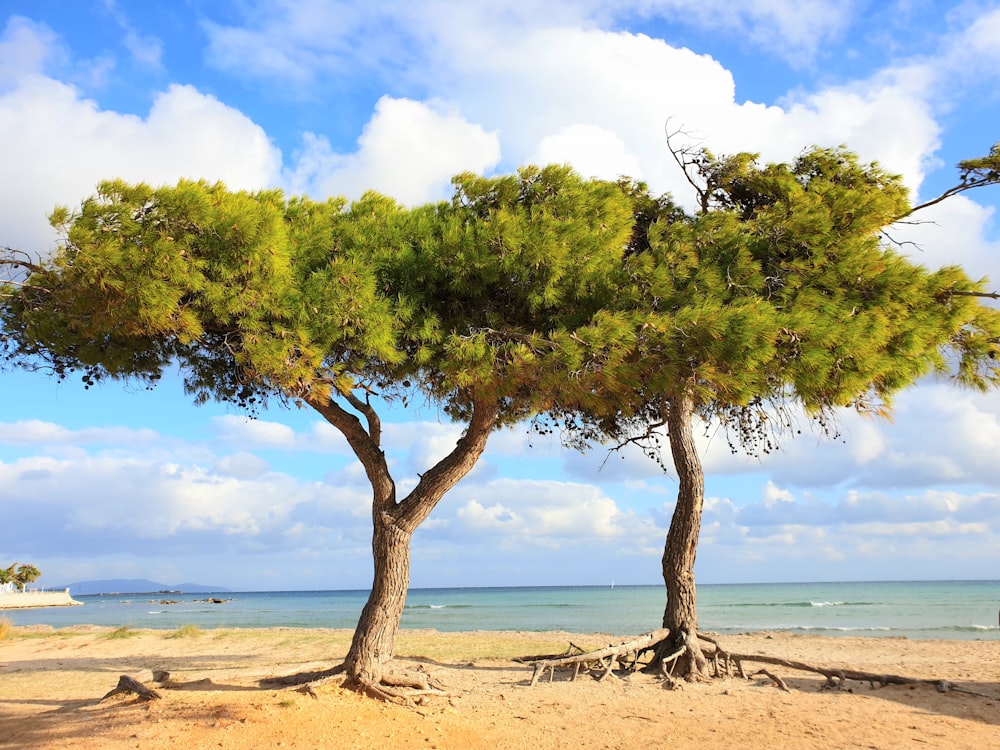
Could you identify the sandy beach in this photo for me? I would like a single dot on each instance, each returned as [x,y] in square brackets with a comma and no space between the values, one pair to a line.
[51,683]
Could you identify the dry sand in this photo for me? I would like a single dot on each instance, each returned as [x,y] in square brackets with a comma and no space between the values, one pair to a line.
[51,682]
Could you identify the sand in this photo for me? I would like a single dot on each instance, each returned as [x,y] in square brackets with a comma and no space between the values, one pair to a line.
[51,682]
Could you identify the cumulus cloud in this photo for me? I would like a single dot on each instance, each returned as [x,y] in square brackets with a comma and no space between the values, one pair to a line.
[929,534]
[958,231]
[409,150]
[545,512]
[302,44]
[241,465]
[556,65]
[482,87]
[594,152]
[62,144]
[256,433]
[35,431]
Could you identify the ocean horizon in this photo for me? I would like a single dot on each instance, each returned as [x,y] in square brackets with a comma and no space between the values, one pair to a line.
[951,610]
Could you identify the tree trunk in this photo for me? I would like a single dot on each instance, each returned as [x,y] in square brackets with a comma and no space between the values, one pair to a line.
[374,640]
[681,615]
[394,522]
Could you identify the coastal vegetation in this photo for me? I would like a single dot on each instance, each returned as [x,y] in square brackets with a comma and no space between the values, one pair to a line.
[186,631]
[123,631]
[20,575]
[781,294]
[589,307]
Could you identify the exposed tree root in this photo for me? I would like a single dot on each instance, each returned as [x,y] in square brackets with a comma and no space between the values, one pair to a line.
[405,688]
[129,685]
[601,663]
[778,682]
[314,678]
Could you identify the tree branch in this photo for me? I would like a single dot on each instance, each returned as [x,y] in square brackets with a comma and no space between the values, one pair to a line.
[440,478]
[685,162]
[365,446]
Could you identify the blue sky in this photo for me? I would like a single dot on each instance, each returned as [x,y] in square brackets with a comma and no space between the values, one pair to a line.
[333,98]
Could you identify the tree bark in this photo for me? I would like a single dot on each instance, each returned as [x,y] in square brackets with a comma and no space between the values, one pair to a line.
[393,523]
[374,639]
[681,547]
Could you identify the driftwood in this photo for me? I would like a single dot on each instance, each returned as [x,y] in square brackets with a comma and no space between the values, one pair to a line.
[127,685]
[603,659]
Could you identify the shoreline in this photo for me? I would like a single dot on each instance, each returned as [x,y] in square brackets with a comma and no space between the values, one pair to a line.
[52,679]
[924,610]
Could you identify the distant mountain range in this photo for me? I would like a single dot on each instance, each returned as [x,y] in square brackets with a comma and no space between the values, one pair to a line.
[137,586]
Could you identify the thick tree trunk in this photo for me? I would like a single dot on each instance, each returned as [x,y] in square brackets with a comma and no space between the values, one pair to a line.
[374,640]
[681,615]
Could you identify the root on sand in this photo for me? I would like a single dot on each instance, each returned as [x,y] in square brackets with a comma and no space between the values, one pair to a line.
[627,657]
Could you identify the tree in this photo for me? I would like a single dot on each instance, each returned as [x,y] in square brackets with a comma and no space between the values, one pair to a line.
[471,304]
[26,574]
[779,291]
[19,575]
[7,575]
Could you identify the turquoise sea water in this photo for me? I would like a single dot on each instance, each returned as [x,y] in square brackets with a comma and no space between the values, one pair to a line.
[940,609]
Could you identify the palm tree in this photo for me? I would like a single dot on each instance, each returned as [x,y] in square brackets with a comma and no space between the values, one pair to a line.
[25,574]
[7,575]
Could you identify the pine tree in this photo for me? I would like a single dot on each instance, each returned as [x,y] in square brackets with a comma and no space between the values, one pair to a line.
[342,308]
[779,291]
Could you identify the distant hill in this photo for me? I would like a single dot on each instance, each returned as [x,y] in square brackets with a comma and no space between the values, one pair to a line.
[137,586]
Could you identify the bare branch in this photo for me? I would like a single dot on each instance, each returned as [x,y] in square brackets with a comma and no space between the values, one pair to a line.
[961,293]
[685,160]
[974,173]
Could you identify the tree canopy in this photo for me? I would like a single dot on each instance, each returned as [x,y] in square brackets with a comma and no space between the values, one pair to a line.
[779,291]
[535,295]
[472,304]
[20,575]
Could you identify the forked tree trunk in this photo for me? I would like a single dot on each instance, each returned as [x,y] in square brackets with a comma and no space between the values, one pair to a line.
[394,522]
[681,615]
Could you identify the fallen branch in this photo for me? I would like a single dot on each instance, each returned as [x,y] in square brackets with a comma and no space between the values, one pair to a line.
[604,657]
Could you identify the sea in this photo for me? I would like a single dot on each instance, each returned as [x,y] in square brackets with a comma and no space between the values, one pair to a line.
[957,610]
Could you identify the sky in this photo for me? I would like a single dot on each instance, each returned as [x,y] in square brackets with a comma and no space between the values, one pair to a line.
[335,97]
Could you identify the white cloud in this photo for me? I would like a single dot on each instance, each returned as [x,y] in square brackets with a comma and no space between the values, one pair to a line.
[787,27]
[544,512]
[581,91]
[35,431]
[253,433]
[975,49]
[26,48]
[146,50]
[957,231]
[594,151]
[303,43]
[241,465]
[408,150]
[62,144]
